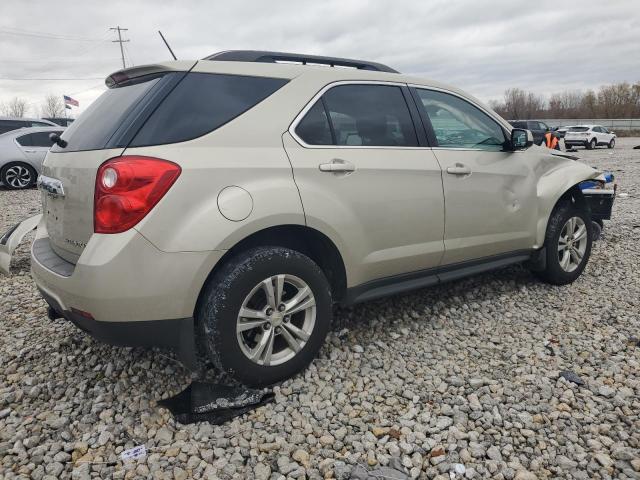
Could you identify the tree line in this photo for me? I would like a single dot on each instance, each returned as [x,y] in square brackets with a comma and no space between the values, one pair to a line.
[51,107]
[619,100]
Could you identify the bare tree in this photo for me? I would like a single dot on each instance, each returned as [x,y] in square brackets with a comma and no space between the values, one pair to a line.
[619,100]
[17,107]
[521,104]
[52,106]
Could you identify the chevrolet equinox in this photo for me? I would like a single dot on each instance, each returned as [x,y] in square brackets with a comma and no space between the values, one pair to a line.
[224,205]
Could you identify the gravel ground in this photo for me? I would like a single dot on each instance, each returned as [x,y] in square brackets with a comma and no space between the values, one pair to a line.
[467,373]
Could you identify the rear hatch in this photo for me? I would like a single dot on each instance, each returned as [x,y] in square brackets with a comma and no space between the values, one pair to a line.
[100,133]
[577,133]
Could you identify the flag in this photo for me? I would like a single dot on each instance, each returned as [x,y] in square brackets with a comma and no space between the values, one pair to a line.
[71,101]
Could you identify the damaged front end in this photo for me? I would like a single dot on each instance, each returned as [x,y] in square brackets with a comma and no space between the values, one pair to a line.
[12,238]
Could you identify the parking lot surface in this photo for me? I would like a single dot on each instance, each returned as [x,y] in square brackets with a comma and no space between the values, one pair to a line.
[465,373]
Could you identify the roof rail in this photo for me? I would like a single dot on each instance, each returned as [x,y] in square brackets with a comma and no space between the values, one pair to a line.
[277,57]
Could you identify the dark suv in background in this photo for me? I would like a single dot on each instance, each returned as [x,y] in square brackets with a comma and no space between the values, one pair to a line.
[537,127]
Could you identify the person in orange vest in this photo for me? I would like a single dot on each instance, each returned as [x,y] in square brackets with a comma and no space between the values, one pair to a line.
[551,141]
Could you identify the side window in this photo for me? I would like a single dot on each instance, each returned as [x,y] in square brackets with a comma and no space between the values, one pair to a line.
[543,126]
[458,124]
[201,103]
[25,140]
[314,128]
[370,116]
[41,139]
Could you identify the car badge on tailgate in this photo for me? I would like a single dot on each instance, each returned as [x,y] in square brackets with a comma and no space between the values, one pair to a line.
[50,185]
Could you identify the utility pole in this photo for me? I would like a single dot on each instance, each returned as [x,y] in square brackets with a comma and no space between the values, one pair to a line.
[120,41]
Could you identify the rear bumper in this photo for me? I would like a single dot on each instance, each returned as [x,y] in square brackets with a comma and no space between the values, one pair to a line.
[177,334]
[123,278]
[124,291]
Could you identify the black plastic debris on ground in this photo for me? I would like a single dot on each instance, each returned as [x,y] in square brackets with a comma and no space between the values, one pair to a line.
[572,377]
[214,403]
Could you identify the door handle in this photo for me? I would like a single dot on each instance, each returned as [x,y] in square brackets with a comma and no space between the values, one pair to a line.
[337,165]
[459,169]
[30,151]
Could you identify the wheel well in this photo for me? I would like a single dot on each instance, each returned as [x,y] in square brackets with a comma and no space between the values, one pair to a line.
[306,240]
[574,196]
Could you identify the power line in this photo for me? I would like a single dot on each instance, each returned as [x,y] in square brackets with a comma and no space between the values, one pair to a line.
[50,36]
[120,41]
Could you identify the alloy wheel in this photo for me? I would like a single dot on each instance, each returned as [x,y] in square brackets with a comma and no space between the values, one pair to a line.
[276,320]
[572,244]
[18,176]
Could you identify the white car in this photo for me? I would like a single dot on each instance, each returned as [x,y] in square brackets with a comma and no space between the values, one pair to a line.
[22,152]
[589,136]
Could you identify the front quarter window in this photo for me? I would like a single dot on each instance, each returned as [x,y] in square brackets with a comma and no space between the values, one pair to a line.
[459,124]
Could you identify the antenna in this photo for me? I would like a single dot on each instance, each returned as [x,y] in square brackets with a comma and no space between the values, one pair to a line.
[167,44]
[120,41]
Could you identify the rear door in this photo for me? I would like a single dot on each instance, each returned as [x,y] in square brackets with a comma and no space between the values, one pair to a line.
[367,181]
[489,192]
[40,145]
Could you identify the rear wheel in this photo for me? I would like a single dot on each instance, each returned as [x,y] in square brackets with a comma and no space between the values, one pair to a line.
[568,244]
[612,143]
[16,176]
[265,315]
[592,144]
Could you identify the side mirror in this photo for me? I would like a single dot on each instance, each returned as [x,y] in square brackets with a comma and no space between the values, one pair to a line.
[521,139]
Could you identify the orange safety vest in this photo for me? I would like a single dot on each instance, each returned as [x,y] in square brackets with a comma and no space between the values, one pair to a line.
[550,140]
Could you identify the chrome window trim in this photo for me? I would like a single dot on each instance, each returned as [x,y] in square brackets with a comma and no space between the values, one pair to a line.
[326,88]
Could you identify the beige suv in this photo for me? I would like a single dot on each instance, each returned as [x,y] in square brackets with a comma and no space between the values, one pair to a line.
[228,203]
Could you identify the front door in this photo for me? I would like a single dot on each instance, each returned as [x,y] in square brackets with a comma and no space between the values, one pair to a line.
[489,192]
[366,182]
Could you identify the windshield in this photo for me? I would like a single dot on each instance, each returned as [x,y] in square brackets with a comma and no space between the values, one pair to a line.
[579,129]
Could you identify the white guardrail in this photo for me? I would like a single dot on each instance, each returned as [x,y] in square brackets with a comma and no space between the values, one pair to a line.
[611,123]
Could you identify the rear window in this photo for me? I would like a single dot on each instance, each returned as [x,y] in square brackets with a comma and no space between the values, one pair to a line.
[201,103]
[96,126]
[579,129]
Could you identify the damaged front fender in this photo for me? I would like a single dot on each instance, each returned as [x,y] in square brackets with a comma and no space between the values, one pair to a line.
[12,238]
[554,183]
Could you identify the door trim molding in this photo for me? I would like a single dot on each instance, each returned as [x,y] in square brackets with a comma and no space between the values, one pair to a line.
[405,282]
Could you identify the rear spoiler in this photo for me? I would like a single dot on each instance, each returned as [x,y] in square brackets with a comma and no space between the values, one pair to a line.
[128,74]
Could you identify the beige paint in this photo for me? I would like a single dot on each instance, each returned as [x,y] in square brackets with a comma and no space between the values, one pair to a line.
[386,218]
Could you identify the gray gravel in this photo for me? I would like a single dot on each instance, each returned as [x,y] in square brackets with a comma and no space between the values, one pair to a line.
[480,376]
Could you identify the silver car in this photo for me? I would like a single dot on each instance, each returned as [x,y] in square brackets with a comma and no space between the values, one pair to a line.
[21,154]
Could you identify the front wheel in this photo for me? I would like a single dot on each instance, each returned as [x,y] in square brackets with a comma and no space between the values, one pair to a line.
[265,315]
[612,143]
[568,244]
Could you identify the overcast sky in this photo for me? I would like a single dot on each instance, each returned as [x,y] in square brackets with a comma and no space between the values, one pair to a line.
[483,47]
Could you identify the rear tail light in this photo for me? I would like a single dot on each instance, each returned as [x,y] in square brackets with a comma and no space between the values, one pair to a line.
[127,188]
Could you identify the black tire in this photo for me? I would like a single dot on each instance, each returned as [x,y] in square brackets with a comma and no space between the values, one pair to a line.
[9,167]
[223,296]
[592,144]
[612,143]
[553,272]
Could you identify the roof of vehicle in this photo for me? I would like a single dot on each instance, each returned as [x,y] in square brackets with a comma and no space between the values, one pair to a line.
[25,130]
[288,66]
[28,119]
